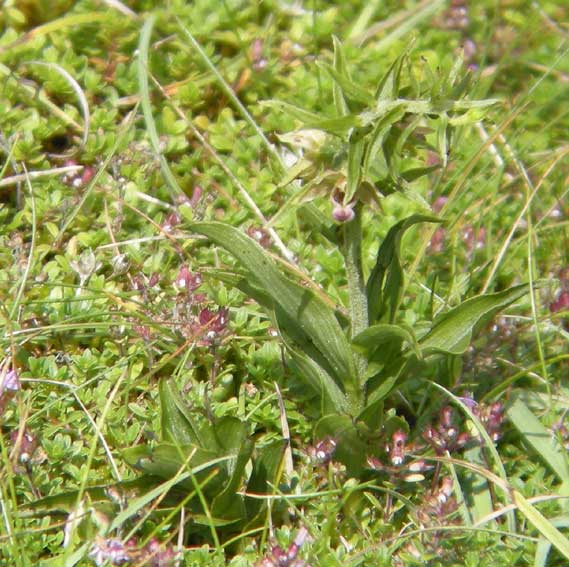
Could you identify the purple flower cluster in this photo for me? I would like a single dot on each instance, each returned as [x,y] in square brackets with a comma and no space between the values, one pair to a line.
[196,319]
[446,436]
[439,504]
[400,463]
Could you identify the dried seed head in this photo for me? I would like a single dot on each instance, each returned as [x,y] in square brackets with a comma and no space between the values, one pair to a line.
[120,264]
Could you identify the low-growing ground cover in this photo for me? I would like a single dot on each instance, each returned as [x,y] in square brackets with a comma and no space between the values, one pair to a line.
[283,283]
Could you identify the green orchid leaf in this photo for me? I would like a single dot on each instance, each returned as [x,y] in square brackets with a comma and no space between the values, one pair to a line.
[311,367]
[304,316]
[418,172]
[383,383]
[233,437]
[332,399]
[267,467]
[452,332]
[315,220]
[377,336]
[384,284]
[166,461]
[177,423]
[67,501]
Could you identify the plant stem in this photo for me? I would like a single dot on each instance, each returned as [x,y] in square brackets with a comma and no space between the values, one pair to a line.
[352,251]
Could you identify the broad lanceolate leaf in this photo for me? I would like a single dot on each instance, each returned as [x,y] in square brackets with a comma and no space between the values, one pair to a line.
[331,397]
[233,437]
[167,460]
[135,505]
[177,423]
[304,316]
[317,221]
[452,332]
[418,172]
[67,501]
[385,282]
[263,480]
[378,387]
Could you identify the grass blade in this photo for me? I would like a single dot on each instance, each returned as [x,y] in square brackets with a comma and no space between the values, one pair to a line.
[541,440]
[542,524]
[142,72]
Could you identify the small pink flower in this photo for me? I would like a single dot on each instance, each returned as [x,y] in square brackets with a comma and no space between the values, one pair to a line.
[187,281]
[210,325]
[110,552]
[170,222]
[342,212]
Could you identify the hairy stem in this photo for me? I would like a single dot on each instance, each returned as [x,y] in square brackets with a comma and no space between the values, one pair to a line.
[352,251]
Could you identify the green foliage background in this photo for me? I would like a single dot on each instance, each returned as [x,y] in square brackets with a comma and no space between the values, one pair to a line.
[101,351]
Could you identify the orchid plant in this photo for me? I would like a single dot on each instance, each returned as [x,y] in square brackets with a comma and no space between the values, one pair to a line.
[352,364]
